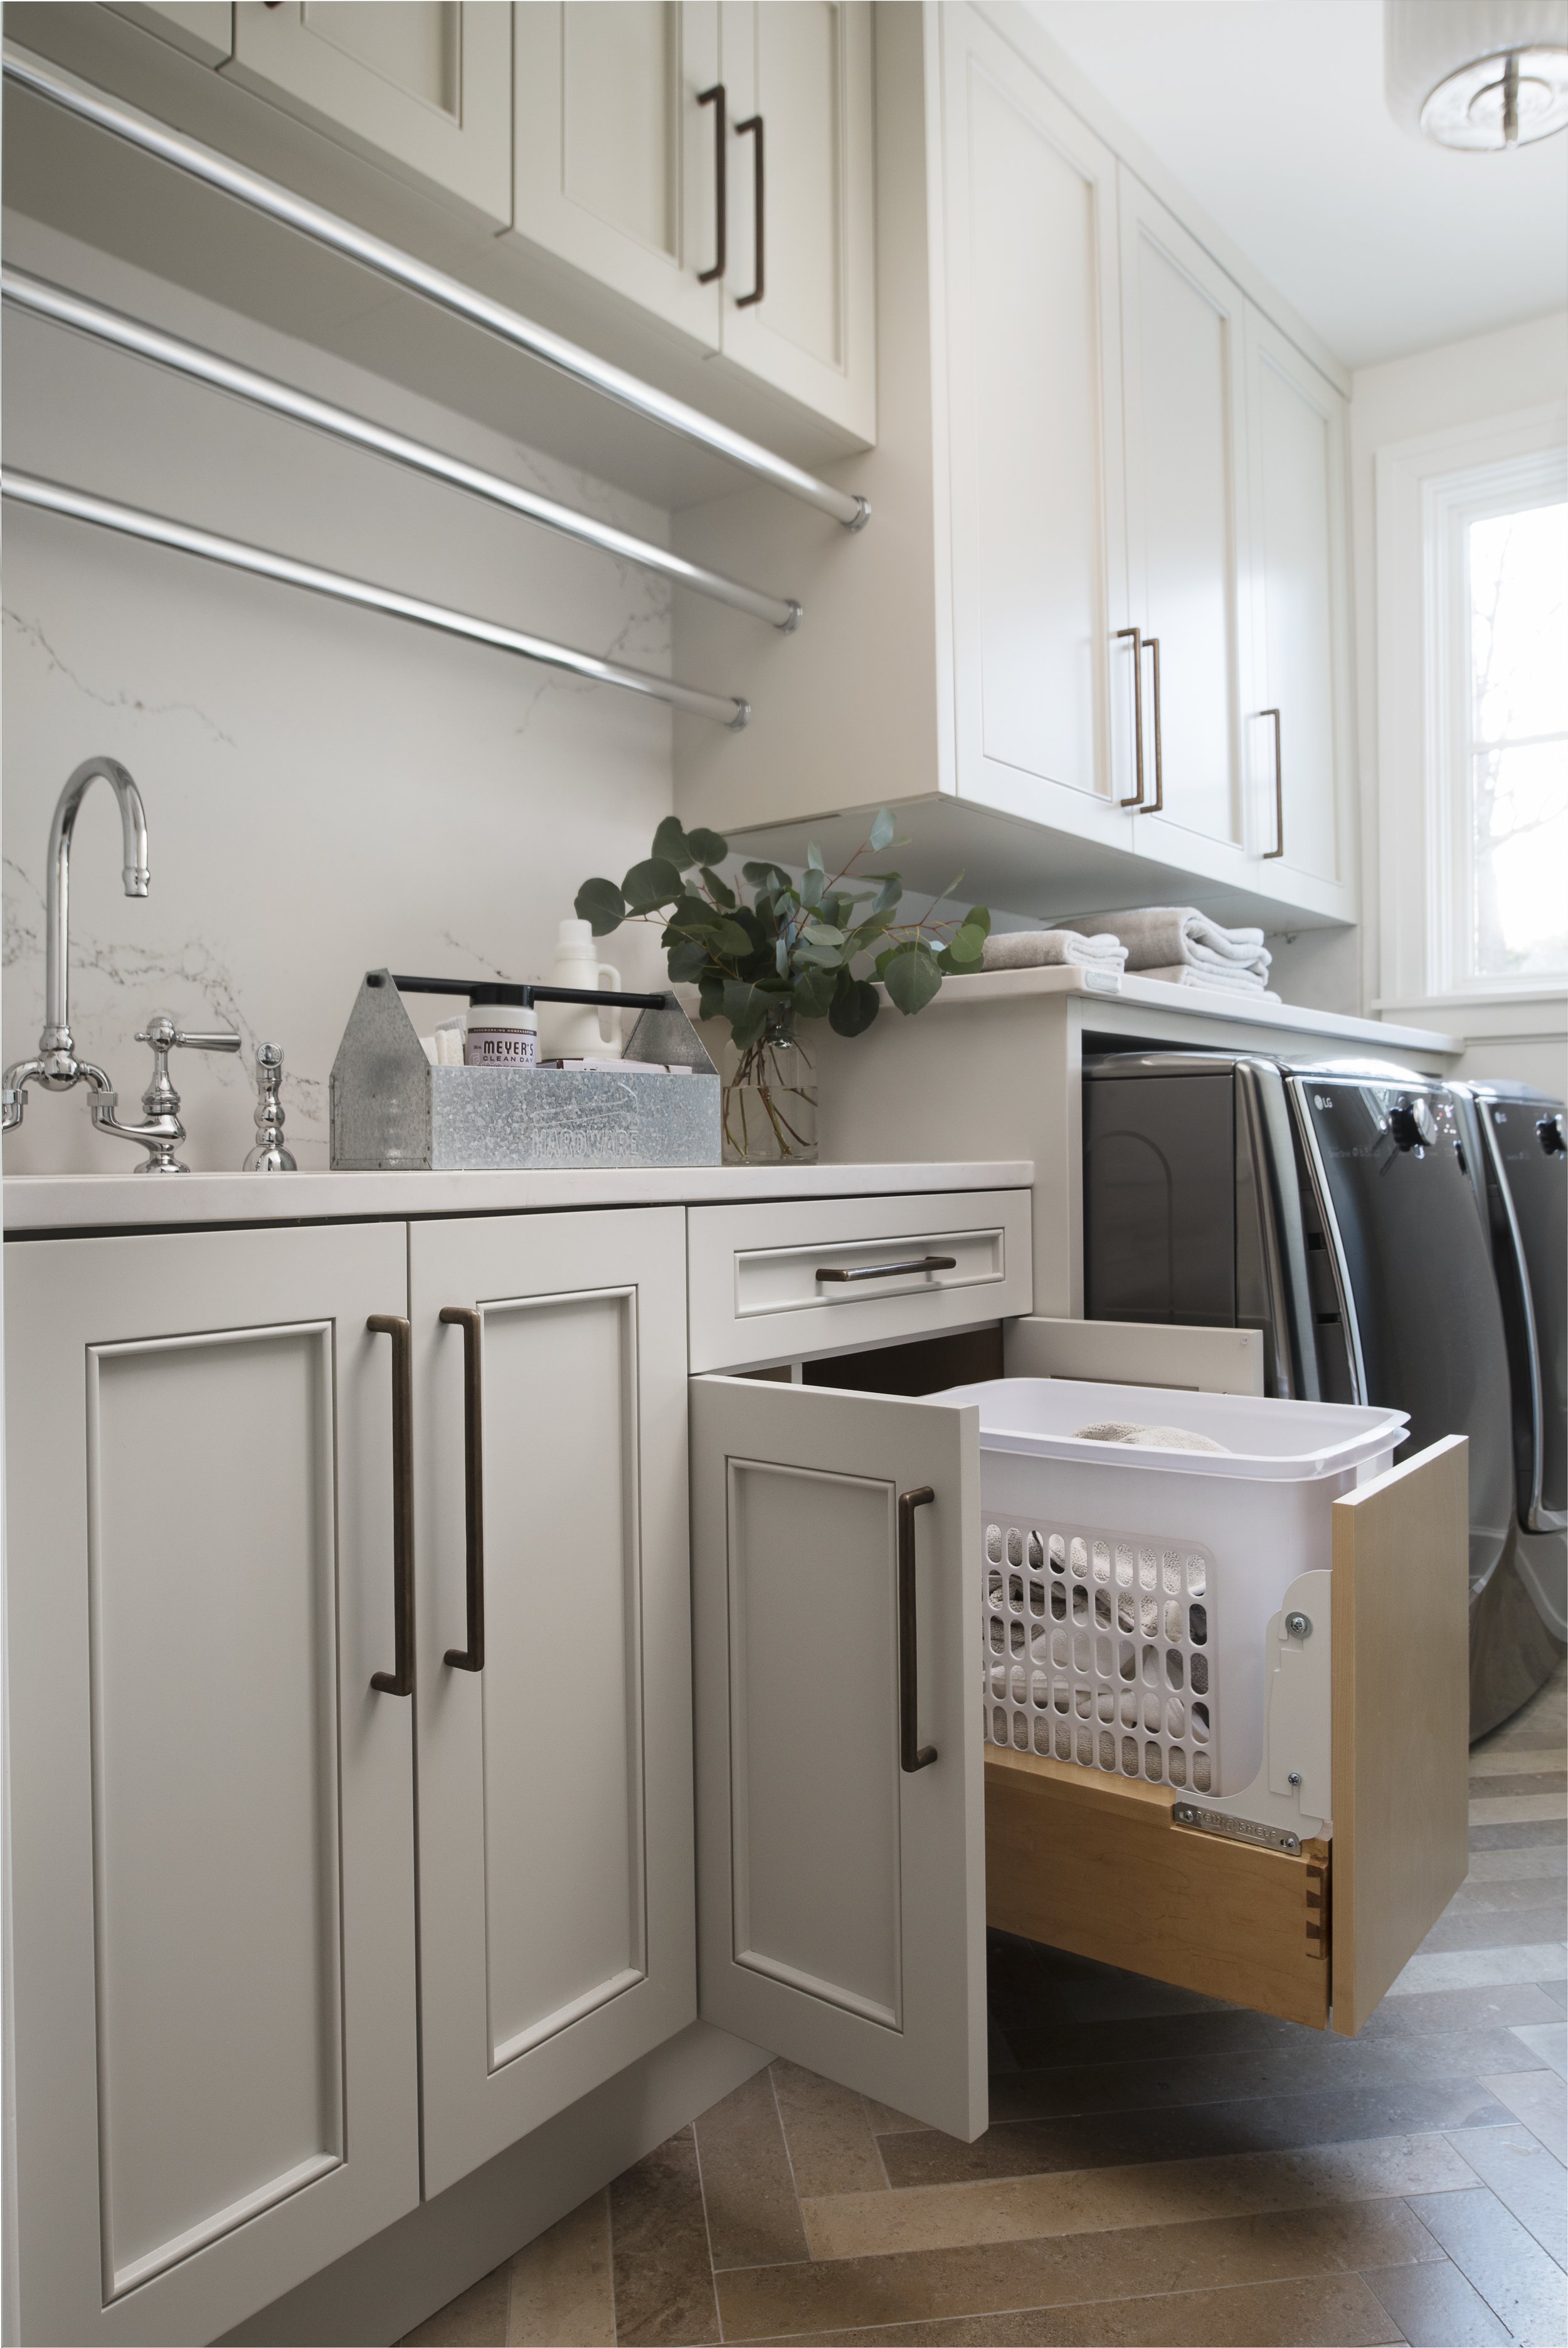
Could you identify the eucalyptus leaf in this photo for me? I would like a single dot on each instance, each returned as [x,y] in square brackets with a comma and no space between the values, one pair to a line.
[686,960]
[813,992]
[812,881]
[601,905]
[882,829]
[814,858]
[964,950]
[710,995]
[853,1007]
[818,957]
[765,876]
[719,891]
[911,977]
[728,939]
[888,895]
[671,842]
[652,882]
[706,848]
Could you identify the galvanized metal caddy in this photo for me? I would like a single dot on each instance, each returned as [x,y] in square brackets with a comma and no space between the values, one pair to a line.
[391,1109]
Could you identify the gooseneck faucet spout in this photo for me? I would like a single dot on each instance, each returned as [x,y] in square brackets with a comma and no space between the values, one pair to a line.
[60,1068]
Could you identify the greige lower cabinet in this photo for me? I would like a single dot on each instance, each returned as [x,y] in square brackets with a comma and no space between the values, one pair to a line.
[220,2017]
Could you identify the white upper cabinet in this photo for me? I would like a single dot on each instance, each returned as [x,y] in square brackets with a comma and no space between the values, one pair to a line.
[617,156]
[1295,709]
[1183,406]
[216,2079]
[422,85]
[554,1660]
[798,289]
[1035,380]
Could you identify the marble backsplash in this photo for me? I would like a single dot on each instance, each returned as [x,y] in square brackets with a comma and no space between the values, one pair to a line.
[327,790]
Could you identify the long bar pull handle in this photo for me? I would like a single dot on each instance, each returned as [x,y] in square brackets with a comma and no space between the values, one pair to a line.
[715,97]
[753,125]
[887,1270]
[911,1753]
[1151,644]
[1137,635]
[1278,849]
[472,1658]
[400,1680]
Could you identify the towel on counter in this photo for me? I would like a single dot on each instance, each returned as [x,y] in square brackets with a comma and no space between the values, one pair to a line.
[1233,981]
[1157,936]
[1051,949]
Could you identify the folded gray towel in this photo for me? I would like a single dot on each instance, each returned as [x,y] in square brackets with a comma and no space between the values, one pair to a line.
[1156,936]
[1050,949]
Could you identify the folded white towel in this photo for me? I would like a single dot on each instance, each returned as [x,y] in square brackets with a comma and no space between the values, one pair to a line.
[1156,936]
[1050,949]
[1213,982]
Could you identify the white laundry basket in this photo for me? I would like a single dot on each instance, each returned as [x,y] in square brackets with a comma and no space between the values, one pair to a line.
[1127,1589]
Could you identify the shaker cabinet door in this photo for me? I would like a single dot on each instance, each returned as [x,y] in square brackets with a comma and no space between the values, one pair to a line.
[556,1829]
[1184,408]
[213,1866]
[1297,773]
[616,162]
[836,1587]
[799,298]
[1043,690]
[421,87]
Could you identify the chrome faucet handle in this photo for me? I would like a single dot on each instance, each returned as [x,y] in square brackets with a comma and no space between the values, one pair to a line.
[163,1131]
[269,1155]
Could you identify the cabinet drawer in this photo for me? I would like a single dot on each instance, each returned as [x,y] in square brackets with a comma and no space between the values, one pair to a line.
[784,1281]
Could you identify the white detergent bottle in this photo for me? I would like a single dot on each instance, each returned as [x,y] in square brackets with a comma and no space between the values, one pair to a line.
[569,1030]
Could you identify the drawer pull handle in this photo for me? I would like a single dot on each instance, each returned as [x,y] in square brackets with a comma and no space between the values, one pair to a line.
[400,1680]
[888,1271]
[1278,847]
[472,1658]
[752,126]
[911,1753]
[715,97]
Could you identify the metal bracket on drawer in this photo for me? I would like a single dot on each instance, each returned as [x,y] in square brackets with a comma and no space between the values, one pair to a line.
[1221,1822]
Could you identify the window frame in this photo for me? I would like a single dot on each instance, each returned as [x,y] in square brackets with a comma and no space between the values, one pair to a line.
[1427,491]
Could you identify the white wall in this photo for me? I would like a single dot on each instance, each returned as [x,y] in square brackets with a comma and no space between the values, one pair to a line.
[327,790]
[1462,383]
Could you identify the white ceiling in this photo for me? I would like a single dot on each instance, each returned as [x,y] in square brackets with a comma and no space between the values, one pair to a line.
[1271,113]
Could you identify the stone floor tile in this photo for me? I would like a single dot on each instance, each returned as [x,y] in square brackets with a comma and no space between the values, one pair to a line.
[1556,1991]
[1328,2312]
[1513,2274]
[1549,2039]
[828,2132]
[663,2281]
[475,2319]
[748,2189]
[1481,1898]
[1434,2307]
[1545,1861]
[1434,2012]
[885,2121]
[1193,2132]
[1528,1834]
[1526,2179]
[1514,1761]
[1540,2099]
[1516,1810]
[1481,1968]
[561,2293]
[1491,1928]
[936,2217]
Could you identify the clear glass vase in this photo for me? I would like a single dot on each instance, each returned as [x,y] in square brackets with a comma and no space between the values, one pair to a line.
[769,1099]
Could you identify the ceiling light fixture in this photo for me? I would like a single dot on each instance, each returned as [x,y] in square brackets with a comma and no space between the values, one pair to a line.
[1477,74]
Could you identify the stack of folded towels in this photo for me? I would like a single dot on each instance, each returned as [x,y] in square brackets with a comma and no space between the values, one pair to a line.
[1172,942]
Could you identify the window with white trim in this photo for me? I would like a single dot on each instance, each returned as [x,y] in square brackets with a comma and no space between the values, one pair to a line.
[1497,578]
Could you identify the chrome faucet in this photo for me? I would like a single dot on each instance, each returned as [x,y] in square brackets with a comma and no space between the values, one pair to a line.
[56,1067]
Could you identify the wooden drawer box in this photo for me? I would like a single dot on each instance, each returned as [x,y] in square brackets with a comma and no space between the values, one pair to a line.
[785,1281]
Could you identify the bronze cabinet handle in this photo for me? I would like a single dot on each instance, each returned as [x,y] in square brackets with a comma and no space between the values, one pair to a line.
[715,97]
[1278,849]
[472,1658]
[400,1680]
[753,125]
[887,1270]
[1151,644]
[1137,635]
[911,1753]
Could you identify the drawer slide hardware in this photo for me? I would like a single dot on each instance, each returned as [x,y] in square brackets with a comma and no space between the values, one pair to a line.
[1220,1822]
[890,1271]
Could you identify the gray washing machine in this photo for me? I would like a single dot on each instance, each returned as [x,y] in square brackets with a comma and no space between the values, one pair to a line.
[1336,1209]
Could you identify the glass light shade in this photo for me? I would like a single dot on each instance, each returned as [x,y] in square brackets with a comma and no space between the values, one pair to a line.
[1477,74]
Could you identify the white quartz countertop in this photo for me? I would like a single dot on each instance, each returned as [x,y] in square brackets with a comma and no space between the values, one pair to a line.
[108,1202]
[1202,1002]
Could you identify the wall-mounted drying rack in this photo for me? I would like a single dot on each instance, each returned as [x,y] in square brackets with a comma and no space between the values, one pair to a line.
[80,505]
[35,295]
[264,195]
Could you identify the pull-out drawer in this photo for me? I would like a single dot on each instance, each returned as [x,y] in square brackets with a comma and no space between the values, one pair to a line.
[787,1281]
[855,1834]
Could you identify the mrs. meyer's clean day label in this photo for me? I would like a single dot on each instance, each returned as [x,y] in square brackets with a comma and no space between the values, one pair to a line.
[500,1035]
